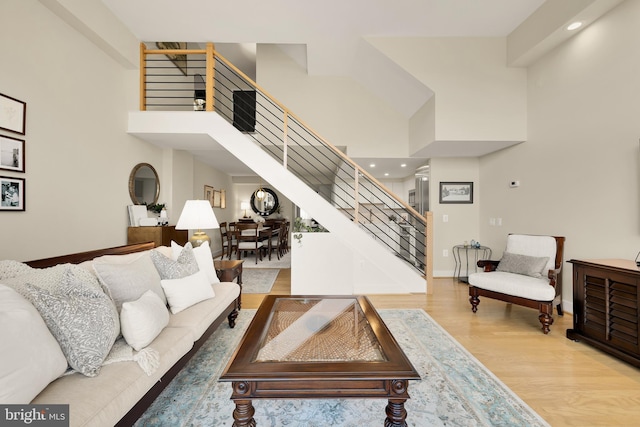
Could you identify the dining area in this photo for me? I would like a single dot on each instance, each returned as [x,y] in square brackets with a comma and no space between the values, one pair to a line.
[262,239]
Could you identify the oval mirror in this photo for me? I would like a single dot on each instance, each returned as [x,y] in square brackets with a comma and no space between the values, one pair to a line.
[267,205]
[144,185]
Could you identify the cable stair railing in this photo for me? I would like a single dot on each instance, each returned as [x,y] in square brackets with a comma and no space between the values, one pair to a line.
[201,79]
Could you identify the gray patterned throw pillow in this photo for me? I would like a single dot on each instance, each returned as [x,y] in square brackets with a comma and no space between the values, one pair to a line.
[80,316]
[523,264]
[184,266]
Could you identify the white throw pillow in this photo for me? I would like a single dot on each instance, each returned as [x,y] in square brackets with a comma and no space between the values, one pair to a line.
[204,258]
[31,357]
[143,319]
[185,292]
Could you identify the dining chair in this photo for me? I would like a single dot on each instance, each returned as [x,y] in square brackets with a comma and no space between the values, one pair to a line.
[275,241]
[228,241]
[249,241]
[285,237]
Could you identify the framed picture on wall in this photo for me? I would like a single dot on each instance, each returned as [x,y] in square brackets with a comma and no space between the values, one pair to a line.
[223,199]
[208,194]
[456,192]
[216,199]
[11,194]
[13,114]
[11,154]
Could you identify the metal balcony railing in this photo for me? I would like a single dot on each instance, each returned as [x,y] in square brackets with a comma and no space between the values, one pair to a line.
[201,79]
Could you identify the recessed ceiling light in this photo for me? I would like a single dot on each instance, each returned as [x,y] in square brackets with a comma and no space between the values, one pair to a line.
[386,174]
[404,165]
[372,165]
[574,26]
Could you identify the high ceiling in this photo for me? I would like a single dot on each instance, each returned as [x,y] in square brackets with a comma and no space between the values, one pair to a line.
[330,30]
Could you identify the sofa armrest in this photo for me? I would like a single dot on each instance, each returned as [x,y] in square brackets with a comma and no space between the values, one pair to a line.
[488,264]
[553,278]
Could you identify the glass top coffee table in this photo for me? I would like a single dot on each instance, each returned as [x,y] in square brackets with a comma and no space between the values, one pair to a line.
[318,347]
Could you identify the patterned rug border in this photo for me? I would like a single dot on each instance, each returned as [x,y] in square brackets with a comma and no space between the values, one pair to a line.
[387,314]
[456,389]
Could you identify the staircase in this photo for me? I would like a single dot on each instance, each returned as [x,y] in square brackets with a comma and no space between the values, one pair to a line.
[281,149]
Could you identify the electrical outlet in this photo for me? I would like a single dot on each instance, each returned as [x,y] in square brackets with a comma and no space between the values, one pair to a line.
[499,222]
[445,252]
[445,218]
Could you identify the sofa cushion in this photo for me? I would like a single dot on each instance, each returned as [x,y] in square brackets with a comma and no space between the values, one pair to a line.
[185,265]
[143,319]
[523,264]
[199,316]
[127,277]
[31,357]
[80,316]
[204,259]
[103,400]
[514,284]
[184,292]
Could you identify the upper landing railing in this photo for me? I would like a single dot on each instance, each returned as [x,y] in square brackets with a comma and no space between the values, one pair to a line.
[201,79]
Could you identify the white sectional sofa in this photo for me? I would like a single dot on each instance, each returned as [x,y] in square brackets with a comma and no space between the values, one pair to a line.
[117,389]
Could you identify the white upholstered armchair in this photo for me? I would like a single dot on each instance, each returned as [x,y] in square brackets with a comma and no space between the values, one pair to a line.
[528,274]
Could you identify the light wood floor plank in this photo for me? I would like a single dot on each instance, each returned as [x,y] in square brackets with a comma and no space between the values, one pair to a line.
[567,383]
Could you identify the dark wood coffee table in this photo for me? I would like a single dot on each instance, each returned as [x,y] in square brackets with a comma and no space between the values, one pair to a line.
[318,347]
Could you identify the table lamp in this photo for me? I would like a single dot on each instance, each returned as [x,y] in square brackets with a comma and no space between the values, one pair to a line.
[245,206]
[197,215]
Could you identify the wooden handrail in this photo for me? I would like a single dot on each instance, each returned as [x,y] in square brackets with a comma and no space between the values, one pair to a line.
[143,80]
[428,251]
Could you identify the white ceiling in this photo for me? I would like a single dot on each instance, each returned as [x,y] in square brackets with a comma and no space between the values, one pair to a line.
[331,31]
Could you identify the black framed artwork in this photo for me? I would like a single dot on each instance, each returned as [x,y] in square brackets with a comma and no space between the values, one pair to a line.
[13,114]
[11,154]
[456,192]
[11,194]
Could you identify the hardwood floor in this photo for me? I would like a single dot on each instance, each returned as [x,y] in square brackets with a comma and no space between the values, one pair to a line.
[567,383]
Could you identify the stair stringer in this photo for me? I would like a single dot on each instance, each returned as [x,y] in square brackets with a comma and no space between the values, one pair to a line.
[376,269]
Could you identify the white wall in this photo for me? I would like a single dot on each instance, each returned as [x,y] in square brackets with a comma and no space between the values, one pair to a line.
[78,153]
[462,219]
[579,169]
[477,98]
[338,108]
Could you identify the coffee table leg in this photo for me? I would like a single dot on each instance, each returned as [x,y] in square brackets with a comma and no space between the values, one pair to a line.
[396,414]
[243,414]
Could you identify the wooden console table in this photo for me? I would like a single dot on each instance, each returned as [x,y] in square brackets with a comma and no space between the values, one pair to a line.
[160,235]
[606,305]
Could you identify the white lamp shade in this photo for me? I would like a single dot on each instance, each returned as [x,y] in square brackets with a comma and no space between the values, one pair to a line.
[245,205]
[197,215]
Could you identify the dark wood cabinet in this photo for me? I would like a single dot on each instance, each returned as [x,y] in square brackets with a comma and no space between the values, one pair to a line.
[606,306]
[161,236]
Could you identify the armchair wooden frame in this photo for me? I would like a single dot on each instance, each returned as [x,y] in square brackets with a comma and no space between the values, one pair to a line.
[545,308]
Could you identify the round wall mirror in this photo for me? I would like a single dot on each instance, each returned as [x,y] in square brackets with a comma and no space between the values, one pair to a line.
[144,185]
[268,205]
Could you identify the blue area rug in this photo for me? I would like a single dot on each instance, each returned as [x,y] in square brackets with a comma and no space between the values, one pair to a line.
[455,390]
